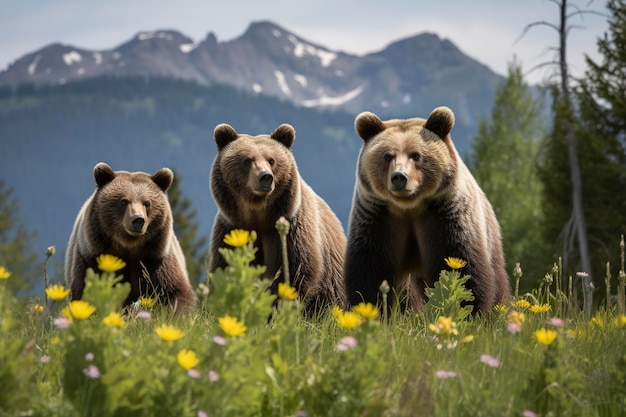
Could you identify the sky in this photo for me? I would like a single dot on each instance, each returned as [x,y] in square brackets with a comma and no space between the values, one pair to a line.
[489,31]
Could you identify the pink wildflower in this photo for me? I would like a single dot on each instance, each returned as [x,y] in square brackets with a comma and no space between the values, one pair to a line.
[490,360]
[193,373]
[213,376]
[62,322]
[513,328]
[556,322]
[441,374]
[346,343]
[220,340]
[92,372]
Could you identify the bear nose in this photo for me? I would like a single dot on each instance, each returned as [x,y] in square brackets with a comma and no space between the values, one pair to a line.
[138,221]
[266,179]
[399,180]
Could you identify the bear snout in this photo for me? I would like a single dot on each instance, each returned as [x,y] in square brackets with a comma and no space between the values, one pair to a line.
[266,180]
[137,223]
[399,180]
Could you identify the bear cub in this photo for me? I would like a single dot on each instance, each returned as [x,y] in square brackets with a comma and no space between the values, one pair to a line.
[416,203]
[129,216]
[255,181]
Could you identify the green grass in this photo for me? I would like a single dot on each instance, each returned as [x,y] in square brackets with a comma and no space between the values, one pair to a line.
[435,363]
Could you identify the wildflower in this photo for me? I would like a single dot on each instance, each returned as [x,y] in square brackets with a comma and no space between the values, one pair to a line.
[143,315]
[213,376]
[286,291]
[517,318]
[114,320]
[455,263]
[202,413]
[597,321]
[80,309]
[237,238]
[523,304]
[348,319]
[146,302]
[193,373]
[337,311]
[89,356]
[490,360]
[545,336]
[501,308]
[467,338]
[513,328]
[168,333]
[368,311]
[219,340]
[540,308]
[529,413]
[444,326]
[346,343]
[441,374]
[38,308]
[57,292]
[51,250]
[556,322]
[109,263]
[620,321]
[4,274]
[92,372]
[44,359]
[61,323]
[231,326]
[187,359]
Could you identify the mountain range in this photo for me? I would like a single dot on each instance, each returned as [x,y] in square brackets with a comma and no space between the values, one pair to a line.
[154,101]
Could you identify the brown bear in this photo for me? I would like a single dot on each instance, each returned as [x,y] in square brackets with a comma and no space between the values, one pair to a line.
[255,181]
[129,216]
[416,203]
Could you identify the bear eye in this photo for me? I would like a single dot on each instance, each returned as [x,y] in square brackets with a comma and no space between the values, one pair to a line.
[124,201]
[388,157]
[146,204]
[247,162]
[271,161]
[415,156]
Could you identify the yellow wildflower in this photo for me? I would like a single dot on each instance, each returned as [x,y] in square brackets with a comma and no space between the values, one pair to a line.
[368,311]
[597,321]
[517,317]
[348,319]
[336,310]
[545,336]
[287,292]
[237,238]
[540,308]
[523,304]
[467,338]
[444,326]
[114,320]
[146,302]
[110,263]
[57,292]
[38,308]
[620,321]
[80,309]
[455,263]
[187,359]
[4,274]
[168,333]
[501,308]
[231,326]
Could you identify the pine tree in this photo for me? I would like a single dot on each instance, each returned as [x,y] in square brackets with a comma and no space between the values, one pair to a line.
[504,161]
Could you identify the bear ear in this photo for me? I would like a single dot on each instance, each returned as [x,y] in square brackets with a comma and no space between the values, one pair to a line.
[103,174]
[440,121]
[368,125]
[224,134]
[163,178]
[285,134]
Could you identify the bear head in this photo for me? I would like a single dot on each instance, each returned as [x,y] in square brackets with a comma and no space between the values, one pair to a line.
[253,171]
[406,162]
[132,207]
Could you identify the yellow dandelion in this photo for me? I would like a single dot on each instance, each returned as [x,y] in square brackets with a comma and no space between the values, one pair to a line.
[231,326]
[65,312]
[237,238]
[187,359]
[444,326]
[168,333]
[455,263]
[57,292]
[110,263]
[287,292]
[517,317]
[467,338]
[38,308]
[523,304]
[114,320]
[336,310]
[597,321]
[501,308]
[80,309]
[620,321]
[146,302]
[4,274]
[540,308]
[348,319]
[545,336]
[368,311]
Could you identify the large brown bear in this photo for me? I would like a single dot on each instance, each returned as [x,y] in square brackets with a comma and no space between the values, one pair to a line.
[129,216]
[416,203]
[255,181]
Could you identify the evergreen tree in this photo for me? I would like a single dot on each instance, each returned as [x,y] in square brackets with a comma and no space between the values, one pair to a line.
[186,228]
[503,161]
[16,254]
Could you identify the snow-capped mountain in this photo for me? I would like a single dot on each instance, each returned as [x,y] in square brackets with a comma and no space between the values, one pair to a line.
[410,76]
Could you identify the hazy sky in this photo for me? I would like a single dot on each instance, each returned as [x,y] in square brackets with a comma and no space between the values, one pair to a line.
[486,30]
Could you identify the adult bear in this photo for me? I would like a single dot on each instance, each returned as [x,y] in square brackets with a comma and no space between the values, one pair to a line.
[254,182]
[129,216]
[416,203]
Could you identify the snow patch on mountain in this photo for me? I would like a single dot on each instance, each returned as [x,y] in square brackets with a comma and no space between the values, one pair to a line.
[282,83]
[301,49]
[32,67]
[333,101]
[301,79]
[72,57]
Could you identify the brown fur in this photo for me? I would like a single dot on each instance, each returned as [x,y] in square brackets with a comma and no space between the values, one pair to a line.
[255,181]
[129,216]
[416,203]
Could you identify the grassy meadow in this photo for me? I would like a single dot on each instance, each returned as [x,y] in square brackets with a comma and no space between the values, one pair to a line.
[244,352]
